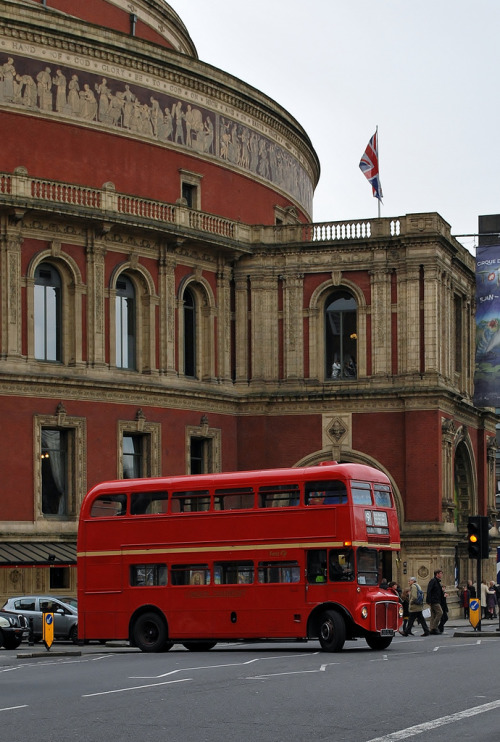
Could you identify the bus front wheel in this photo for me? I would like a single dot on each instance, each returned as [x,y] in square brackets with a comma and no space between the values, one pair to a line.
[331,632]
[375,641]
[150,633]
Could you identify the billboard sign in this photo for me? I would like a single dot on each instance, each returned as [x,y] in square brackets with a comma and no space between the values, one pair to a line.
[487,370]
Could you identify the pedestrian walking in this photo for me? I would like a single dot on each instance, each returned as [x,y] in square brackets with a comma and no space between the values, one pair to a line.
[484,598]
[491,601]
[444,606]
[465,600]
[435,598]
[405,598]
[415,606]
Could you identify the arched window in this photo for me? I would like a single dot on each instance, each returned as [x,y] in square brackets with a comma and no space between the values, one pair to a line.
[341,336]
[125,323]
[47,313]
[189,334]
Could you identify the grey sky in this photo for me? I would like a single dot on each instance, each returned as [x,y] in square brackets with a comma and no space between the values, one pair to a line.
[423,72]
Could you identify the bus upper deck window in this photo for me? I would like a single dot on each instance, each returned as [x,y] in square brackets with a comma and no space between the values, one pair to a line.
[330,492]
[382,495]
[107,506]
[190,502]
[148,503]
[279,495]
[233,498]
[361,493]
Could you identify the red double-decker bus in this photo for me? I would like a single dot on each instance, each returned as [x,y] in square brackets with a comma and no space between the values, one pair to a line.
[245,556]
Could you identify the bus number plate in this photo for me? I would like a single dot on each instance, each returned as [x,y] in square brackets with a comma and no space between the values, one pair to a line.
[387,632]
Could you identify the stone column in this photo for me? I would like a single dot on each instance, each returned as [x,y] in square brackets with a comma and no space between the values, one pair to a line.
[166,288]
[264,330]
[409,320]
[381,322]
[223,370]
[432,336]
[96,313]
[241,327]
[10,265]
[293,326]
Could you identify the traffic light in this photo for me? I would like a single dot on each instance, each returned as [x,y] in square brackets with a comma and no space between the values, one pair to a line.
[478,537]
[474,537]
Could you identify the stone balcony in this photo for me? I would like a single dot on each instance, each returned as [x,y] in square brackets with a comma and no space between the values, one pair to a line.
[20,191]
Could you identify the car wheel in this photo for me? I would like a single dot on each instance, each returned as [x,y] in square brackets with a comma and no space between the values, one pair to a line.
[73,634]
[11,642]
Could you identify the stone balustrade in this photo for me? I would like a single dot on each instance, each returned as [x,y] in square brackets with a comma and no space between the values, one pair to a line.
[20,189]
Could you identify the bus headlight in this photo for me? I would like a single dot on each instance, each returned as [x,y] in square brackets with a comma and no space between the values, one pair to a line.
[401,611]
[364,612]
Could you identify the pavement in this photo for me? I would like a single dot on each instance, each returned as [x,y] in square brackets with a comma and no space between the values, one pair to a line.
[462,627]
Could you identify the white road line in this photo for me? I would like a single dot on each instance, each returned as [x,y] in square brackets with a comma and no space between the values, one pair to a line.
[13,708]
[292,672]
[216,667]
[436,723]
[137,687]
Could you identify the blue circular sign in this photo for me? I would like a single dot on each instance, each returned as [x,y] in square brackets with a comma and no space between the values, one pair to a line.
[49,618]
[474,605]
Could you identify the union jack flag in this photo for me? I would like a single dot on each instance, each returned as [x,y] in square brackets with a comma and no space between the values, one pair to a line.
[369,166]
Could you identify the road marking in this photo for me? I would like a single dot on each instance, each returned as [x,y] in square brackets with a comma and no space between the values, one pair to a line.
[14,708]
[216,667]
[137,687]
[436,723]
[292,672]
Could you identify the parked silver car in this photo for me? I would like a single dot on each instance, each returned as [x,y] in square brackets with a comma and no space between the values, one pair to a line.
[34,606]
[13,629]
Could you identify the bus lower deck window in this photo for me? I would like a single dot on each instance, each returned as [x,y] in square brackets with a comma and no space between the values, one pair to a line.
[233,573]
[190,574]
[146,575]
[270,572]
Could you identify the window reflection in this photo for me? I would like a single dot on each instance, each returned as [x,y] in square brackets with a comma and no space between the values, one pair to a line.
[47,310]
[341,336]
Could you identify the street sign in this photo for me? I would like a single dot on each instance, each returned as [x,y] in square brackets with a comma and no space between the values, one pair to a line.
[474,612]
[48,629]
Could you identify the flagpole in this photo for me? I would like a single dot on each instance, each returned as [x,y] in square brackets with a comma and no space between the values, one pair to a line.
[378,157]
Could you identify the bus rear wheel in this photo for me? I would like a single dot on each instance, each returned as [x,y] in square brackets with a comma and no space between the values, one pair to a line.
[199,646]
[375,641]
[331,633]
[150,633]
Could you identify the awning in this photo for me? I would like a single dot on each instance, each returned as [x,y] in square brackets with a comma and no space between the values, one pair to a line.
[37,553]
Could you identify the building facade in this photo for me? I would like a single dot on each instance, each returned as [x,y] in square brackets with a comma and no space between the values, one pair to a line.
[169,306]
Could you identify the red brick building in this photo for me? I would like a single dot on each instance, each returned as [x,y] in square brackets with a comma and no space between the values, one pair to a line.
[167,306]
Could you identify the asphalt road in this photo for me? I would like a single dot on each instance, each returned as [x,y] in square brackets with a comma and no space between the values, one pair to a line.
[442,687]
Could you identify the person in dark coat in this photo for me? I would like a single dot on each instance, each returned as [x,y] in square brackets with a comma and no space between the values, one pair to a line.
[435,598]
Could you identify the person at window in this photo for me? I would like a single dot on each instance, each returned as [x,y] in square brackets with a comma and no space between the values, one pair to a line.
[336,369]
[415,609]
[349,367]
[321,577]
